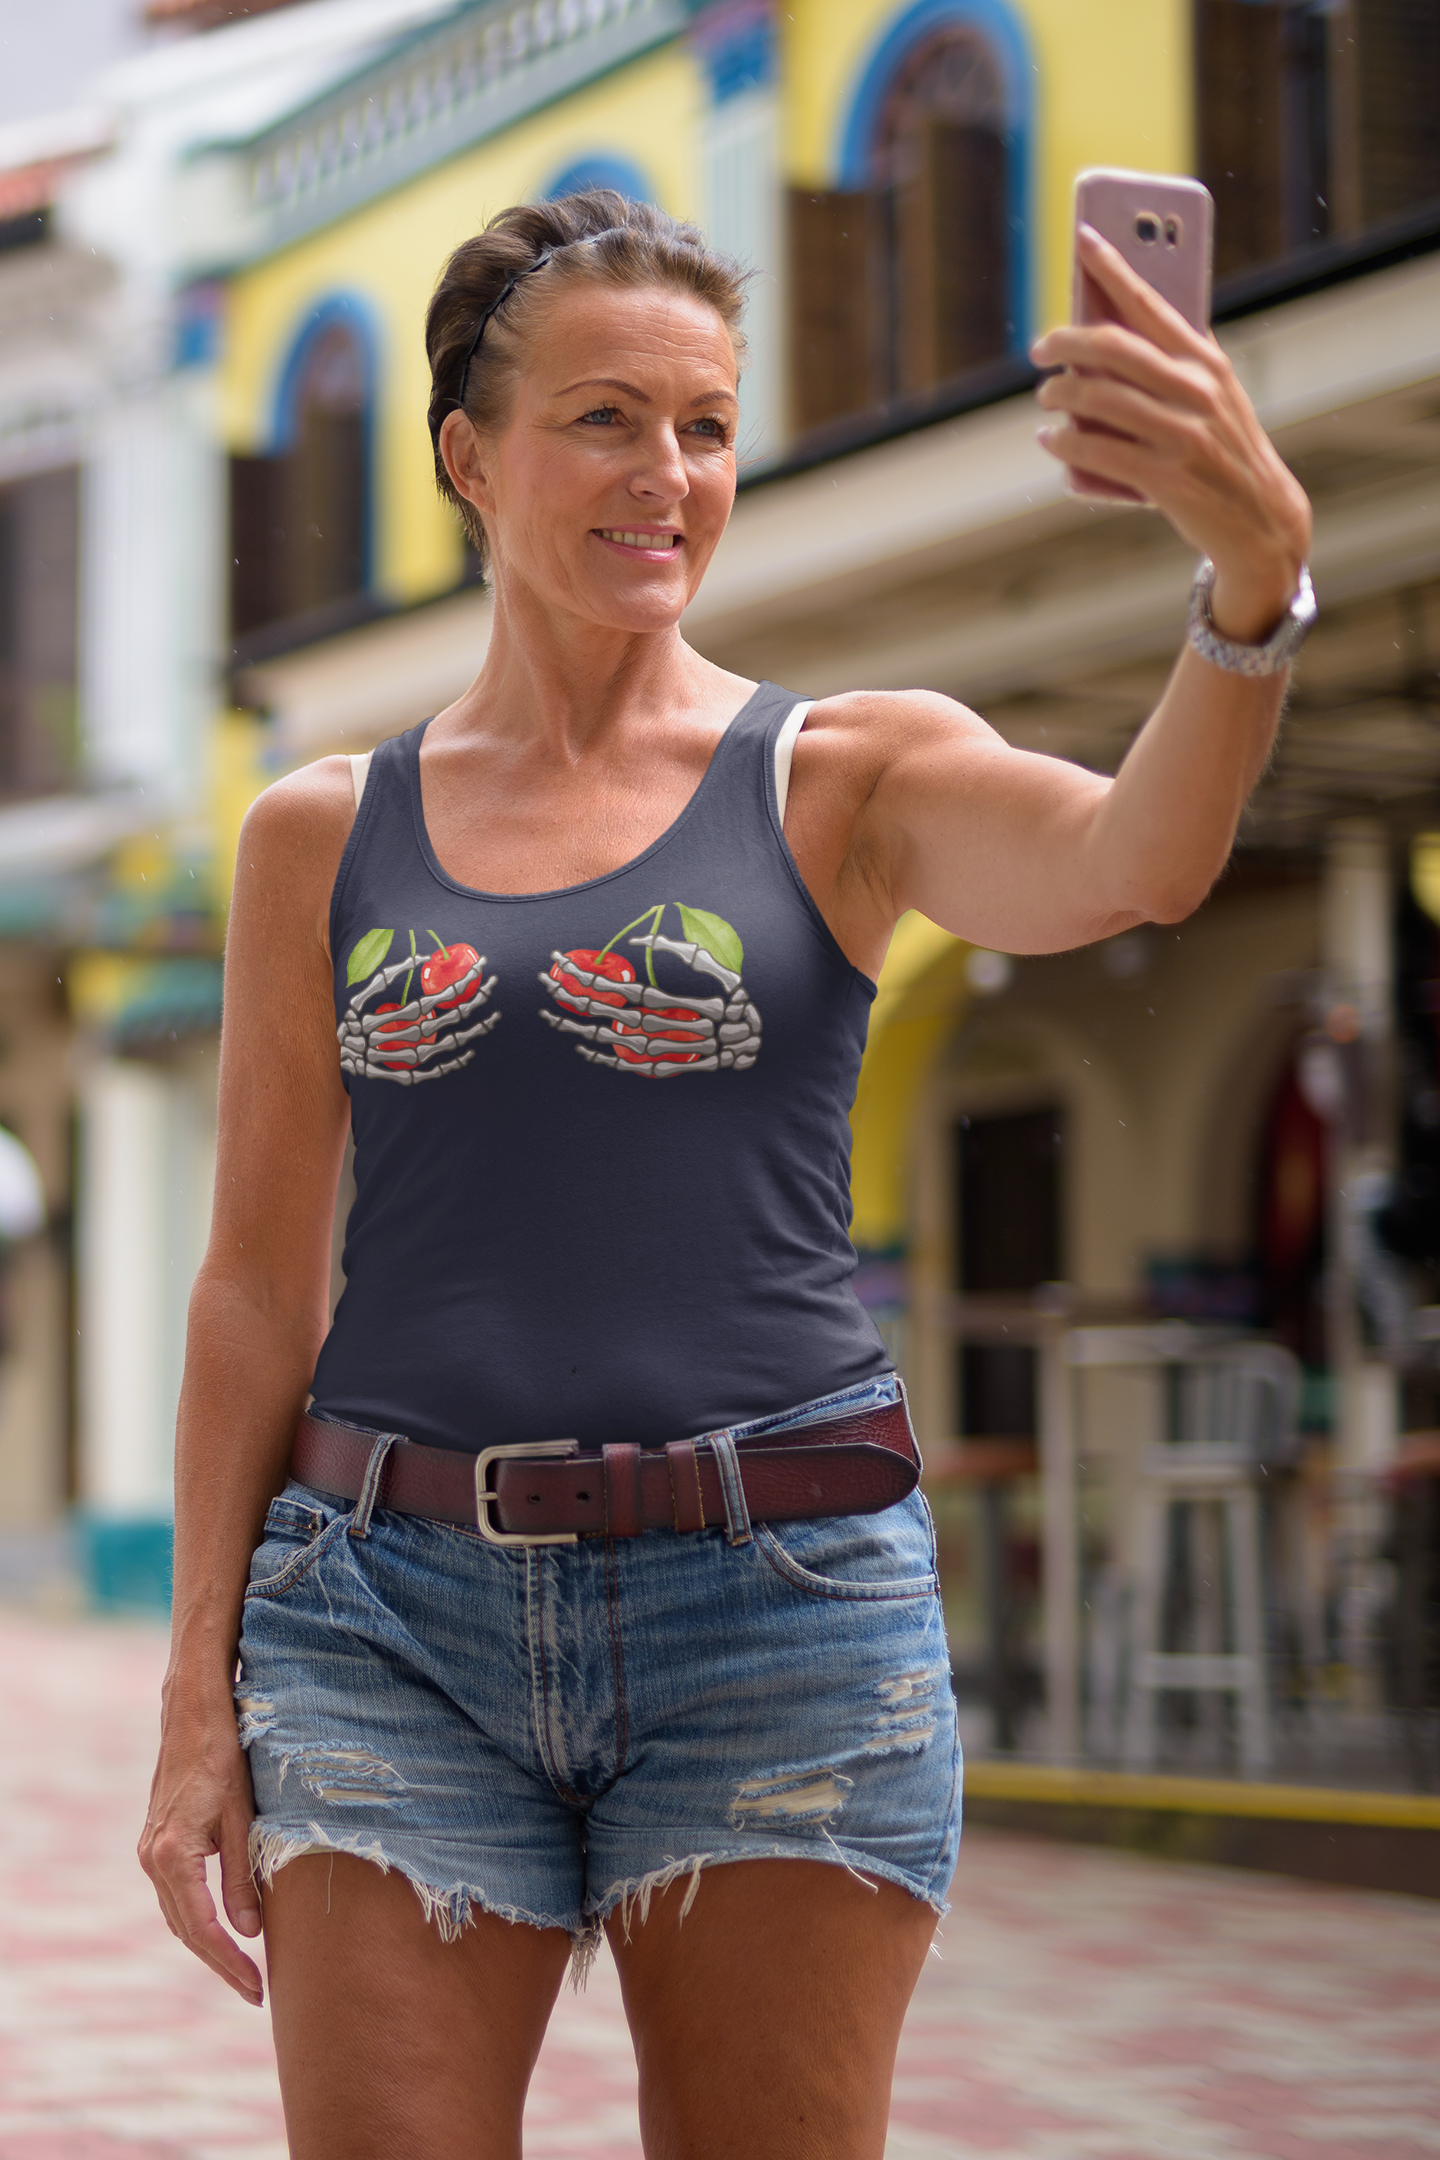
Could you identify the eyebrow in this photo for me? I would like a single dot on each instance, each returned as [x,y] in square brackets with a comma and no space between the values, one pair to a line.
[613,382]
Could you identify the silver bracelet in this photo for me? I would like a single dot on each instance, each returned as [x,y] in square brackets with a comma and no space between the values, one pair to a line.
[1278,650]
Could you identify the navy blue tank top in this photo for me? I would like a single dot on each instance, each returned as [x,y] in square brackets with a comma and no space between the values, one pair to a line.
[602,1150]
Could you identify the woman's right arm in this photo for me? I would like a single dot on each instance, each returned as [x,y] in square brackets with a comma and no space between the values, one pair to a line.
[258,1315]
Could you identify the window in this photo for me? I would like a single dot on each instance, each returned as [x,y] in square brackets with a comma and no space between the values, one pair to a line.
[39,543]
[1315,120]
[300,518]
[906,281]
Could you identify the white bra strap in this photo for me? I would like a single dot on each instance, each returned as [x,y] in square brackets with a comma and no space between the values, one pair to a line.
[785,751]
[359,772]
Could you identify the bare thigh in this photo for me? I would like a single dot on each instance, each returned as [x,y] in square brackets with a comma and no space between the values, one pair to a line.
[391,2043]
[766,2022]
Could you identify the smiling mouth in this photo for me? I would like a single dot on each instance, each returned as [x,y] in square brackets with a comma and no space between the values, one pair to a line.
[667,540]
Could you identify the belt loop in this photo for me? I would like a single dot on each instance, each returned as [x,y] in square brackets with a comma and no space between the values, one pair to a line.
[370,1490]
[904,1400]
[737,1514]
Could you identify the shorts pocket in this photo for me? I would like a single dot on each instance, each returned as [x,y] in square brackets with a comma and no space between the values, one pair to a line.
[889,1555]
[298,1523]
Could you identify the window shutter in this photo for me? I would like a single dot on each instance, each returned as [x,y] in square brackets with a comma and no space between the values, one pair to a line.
[1398,44]
[257,542]
[39,596]
[327,488]
[830,268]
[1237,93]
[969,247]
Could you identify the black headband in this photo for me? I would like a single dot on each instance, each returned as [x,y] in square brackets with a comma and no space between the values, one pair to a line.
[499,301]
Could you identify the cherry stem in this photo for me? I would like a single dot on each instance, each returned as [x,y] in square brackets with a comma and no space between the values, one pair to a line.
[411,976]
[650,912]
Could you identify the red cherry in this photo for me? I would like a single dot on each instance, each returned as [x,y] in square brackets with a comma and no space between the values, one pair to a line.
[663,1035]
[392,1027]
[613,966]
[444,968]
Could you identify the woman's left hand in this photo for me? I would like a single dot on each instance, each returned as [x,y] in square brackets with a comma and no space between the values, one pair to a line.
[1186,438]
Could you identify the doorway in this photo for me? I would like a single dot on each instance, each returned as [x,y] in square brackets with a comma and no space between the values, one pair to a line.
[1009,1240]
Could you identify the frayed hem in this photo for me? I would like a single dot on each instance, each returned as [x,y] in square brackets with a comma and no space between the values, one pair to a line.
[634,1895]
[450,1912]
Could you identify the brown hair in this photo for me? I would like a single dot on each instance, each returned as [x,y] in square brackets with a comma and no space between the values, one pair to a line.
[598,236]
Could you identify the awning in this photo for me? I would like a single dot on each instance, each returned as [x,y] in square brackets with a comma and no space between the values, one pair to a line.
[67,832]
[136,1004]
[46,849]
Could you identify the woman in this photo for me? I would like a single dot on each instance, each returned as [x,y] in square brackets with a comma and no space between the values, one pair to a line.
[599,945]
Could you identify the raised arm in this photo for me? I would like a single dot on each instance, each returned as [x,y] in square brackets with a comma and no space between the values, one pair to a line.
[1030,853]
[257,1319]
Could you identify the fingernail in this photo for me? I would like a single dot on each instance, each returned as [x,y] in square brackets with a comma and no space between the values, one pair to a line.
[1044,434]
[1089,235]
[1040,347]
[247,1923]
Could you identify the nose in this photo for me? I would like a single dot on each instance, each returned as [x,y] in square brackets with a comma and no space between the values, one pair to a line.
[660,475]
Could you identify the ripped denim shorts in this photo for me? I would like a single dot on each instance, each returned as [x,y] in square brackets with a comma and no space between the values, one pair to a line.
[550,1733]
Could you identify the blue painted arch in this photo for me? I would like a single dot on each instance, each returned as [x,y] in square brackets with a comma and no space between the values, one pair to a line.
[1005,34]
[357,316]
[600,170]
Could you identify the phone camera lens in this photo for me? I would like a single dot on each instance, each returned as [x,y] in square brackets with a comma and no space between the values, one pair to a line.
[1147,228]
[1172,232]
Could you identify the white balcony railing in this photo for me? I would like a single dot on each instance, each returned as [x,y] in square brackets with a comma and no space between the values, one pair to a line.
[442,92]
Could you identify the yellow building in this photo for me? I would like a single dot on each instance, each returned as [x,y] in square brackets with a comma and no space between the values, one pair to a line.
[1145,1124]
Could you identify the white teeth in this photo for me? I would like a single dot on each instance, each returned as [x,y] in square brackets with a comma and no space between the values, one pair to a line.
[638,540]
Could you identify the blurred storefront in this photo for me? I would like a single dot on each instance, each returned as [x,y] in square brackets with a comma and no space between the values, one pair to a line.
[1091,1190]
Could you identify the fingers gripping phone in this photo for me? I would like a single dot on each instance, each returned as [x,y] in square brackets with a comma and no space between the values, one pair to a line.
[1164,225]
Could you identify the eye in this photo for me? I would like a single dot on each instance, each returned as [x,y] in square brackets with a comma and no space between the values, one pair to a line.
[600,416]
[712,426]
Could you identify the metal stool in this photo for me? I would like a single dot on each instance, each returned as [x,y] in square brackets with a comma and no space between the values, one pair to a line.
[1231,1411]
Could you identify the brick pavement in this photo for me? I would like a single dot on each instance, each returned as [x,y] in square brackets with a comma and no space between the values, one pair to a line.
[1087,2006]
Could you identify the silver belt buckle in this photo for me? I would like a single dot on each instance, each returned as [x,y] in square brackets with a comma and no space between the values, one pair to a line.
[485,1499]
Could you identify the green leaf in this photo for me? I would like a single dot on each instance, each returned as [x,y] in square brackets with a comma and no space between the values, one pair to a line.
[715,934]
[368,955]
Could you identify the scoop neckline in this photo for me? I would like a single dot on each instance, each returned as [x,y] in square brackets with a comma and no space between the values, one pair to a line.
[561,892]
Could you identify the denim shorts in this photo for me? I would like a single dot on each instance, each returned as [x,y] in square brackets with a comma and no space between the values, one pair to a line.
[553,1732]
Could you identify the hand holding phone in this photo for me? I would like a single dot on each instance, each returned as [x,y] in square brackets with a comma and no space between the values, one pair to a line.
[1163,226]
[1144,405]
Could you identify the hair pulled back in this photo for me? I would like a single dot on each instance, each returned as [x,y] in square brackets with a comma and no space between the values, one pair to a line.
[596,237]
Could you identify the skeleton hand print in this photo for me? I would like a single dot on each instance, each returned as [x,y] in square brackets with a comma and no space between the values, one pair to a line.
[644,1028]
[403,1040]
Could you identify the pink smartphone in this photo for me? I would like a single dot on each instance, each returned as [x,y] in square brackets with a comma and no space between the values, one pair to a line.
[1164,225]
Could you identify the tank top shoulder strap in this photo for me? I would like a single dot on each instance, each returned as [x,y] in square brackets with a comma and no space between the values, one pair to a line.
[760,742]
[383,816]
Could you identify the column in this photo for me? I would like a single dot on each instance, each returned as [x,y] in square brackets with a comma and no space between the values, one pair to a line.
[146,1166]
[151,592]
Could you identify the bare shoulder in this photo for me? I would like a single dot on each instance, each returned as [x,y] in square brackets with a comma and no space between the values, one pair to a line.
[291,843]
[870,729]
[312,805]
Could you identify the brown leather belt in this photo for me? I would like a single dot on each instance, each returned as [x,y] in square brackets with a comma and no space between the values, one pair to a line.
[553,1491]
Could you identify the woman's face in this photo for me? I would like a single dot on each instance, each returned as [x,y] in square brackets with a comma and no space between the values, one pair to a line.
[607,490]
